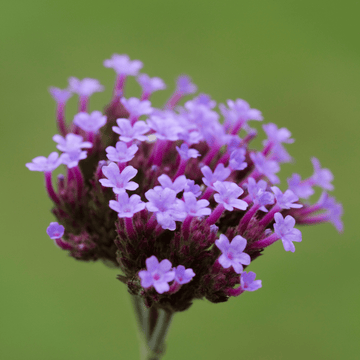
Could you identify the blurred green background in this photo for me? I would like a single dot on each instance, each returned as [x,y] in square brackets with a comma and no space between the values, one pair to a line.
[296,61]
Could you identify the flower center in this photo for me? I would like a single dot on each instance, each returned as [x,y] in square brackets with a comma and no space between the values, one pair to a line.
[156,276]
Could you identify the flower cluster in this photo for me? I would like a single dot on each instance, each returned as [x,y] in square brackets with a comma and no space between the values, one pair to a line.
[174,197]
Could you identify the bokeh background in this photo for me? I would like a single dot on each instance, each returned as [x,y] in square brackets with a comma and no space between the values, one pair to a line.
[296,61]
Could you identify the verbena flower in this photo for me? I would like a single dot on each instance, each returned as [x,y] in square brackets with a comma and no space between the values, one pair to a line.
[177,201]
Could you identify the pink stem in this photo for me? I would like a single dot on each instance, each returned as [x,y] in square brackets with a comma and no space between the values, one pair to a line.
[159,151]
[62,244]
[181,168]
[265,242]
[215,215]
[247,217]
[79,180]
[237,127]
[174,99]
[83,103]
[267,148]
[186,226]
[207,193]
[60,117]
[145,96]
[49,187]
[129,227]
[235,292]
[151,224]
[270,215]
[313,220]
[210,155]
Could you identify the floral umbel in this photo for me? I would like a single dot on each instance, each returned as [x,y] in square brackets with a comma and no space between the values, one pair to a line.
[174,197]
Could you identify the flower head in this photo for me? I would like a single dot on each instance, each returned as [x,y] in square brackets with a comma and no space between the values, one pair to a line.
[121,153]
[182,275]
[126,206]
[71,142]
[284,228]
[248,282]
[130,132]
[84,87]
[149,85]
[90,122]
[41,163]
[55,230]
[123,65]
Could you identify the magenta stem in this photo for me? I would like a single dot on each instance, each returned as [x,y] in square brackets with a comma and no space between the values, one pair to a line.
[270,215]
[79,180]
[313,220]
[83,103]
[129,227]
[186,226]
[215,215]
[307,210]
[237,127]
[159,152]
[247,217]
[62,244]
[151,224]
[207,193]
[174,287]
[235,292]
[224,159]
[267,148]
[174,99]
[145,96]
[60,117]
[49,187]
[265,242]
[181,168]
[210,155]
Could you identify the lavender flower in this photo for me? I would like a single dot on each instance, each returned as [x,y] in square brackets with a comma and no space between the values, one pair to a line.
[285,200]
[322,177]
[194,207]
[90,122]
[136,107]
[232,253]
[284,228]
[220,174]
[127,206]
[248,282]
[237,159]
[149,85]
[71,142]
[84,87]
[55,231]
[186,153]
[41,163]
[60,95]
[128,132]
[157,274]
[185,86]
[119,181]
[190,186]
[266,167]
[258,193]
[123,65]
[228,193]
[301,188]
[121,153]
[182,275]
[71,159]
[178,185]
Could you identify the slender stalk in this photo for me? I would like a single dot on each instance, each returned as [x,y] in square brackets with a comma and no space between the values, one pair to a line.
[153,325]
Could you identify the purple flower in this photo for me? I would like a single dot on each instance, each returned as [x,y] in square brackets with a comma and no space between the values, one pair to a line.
[232,253]
[277,136]
[182,275]
[126,207]
[201,99]
[302,189]
[121,153]
[258,193]
[190,186]
[60,95]
[237,159]
[149,85]
[248,282]
[287,199]
[334,210]
[228,193]
[90,122]
[71,142]
[266,167]
[184,85]
[41,163]
[178,185]
[322,177]
[71,159]
[119,181]
[84,87]
[239,110]
[166,206]
[165,129]
[194,207]
[123,65]
[284,228]
[186,153]
[130,132]
[136,107]
[55,231]
[220,174]
[157,274]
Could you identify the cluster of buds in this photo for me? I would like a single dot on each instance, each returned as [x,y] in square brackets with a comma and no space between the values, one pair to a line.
[174,197]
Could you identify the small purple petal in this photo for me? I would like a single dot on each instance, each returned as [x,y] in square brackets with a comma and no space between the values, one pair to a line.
[55,231]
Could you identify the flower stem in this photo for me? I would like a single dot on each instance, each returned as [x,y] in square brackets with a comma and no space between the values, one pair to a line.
[153,325]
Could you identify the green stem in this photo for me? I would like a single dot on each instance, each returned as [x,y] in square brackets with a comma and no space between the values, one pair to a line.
[153,325]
